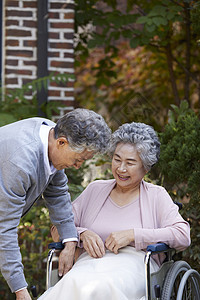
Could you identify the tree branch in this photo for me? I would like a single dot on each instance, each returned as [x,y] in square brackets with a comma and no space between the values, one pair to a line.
[195,78]
[187,52]
[141,11]
[171,73]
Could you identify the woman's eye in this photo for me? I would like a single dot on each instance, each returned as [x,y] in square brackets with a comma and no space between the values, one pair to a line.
[117,160]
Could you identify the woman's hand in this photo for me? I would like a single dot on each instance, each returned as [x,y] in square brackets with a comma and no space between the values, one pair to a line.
[119,239]
[92,243]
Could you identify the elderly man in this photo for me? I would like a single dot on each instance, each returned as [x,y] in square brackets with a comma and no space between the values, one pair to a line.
[33,155]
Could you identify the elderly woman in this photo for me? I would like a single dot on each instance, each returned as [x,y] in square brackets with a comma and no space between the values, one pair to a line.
[116,220]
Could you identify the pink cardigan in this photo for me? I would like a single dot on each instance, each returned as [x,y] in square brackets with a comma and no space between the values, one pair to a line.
[161,221]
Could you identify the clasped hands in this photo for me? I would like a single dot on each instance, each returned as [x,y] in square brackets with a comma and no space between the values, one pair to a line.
[95,247]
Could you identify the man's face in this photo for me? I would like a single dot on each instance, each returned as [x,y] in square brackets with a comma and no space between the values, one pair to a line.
[62,156]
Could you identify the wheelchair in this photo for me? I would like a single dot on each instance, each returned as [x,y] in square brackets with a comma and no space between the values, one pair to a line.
[173,281]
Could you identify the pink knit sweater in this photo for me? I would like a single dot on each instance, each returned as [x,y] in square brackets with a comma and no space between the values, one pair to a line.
[161,221]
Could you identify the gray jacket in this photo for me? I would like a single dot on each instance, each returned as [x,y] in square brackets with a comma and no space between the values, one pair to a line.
[22,182]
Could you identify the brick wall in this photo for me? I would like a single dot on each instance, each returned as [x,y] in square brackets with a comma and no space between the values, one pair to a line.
[20,46]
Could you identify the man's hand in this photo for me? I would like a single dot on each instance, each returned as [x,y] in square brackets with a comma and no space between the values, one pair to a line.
[119,239]
[23,295]
[92,243]
[66,258]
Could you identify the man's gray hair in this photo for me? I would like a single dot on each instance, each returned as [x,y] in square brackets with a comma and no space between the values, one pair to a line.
[143,137]
[84,129]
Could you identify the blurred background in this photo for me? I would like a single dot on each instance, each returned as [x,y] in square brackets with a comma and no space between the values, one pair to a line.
[128,60]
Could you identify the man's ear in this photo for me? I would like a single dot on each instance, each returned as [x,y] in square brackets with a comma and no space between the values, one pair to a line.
[62,141]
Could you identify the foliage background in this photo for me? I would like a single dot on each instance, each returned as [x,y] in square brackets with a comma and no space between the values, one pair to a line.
[134,61]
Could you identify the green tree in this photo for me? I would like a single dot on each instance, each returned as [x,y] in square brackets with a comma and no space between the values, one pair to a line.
[166,36]
[179,167]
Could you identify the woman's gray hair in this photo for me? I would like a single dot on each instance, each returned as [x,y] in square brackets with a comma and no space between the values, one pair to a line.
[143,137]
[84,129]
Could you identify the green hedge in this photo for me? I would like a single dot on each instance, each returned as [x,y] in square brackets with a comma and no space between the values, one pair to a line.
[180,170]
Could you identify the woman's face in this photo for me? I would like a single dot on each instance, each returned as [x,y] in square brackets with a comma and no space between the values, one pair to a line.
[127,167]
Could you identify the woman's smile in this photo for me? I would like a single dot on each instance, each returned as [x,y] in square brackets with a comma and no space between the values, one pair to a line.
[122,177]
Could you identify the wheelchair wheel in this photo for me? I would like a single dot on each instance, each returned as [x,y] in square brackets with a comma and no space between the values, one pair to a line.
[173,279]
[190,286]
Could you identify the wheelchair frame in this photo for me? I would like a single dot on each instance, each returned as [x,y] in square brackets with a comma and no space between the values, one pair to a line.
[53,247]
[159,285]
[179,272]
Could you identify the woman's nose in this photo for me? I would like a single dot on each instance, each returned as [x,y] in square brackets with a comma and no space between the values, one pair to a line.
[122,168]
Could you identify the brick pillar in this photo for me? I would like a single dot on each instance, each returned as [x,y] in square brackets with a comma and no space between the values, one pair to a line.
[20,43]
[20,53]
[61,52]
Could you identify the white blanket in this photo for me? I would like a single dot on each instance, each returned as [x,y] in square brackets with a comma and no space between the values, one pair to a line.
[113,277]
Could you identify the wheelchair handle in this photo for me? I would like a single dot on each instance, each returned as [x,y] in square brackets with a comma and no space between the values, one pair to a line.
[180,205]
[56,246]
[33,291]
[159,247]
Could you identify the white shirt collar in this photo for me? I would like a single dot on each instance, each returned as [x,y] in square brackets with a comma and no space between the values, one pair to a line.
[44,135]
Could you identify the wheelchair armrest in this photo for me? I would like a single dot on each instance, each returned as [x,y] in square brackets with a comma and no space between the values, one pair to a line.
[157,248]
[179,204]
[56,246]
